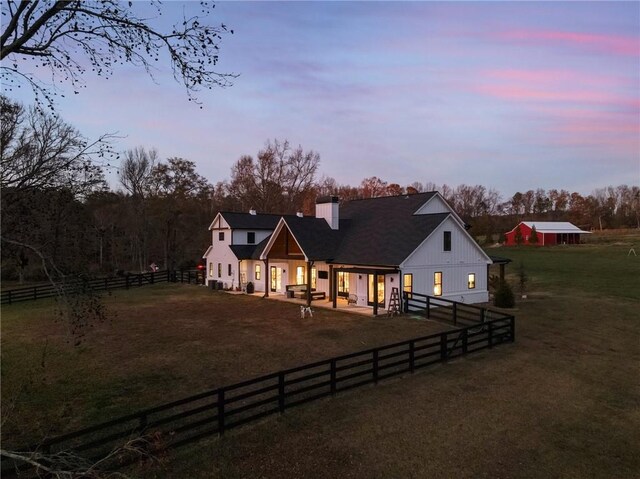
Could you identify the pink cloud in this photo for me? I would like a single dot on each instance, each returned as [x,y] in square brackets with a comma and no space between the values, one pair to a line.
[609,44]
[558,86]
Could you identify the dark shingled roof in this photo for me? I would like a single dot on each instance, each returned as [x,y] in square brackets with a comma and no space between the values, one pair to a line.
[384,231]
[243,251]
[247,221]
[375,232]
[315,236]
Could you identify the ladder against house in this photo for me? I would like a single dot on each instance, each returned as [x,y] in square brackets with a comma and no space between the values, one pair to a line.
[394,303]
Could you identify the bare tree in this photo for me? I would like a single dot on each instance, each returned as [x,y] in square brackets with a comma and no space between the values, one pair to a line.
[62,36]
[41,151]
[136,170]
[277,181]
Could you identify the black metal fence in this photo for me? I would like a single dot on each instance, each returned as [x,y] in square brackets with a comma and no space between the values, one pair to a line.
[76,285]
[454,312]
[214,412]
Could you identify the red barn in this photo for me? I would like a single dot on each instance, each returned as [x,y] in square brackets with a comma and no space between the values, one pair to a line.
[549,232]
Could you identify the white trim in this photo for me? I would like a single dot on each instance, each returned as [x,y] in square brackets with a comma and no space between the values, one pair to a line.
[206,253]
[272,240]
[446,203]
[214,220]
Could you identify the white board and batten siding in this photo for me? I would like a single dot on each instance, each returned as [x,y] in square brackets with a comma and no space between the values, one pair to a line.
[220,253]
[465,258]
[240,236]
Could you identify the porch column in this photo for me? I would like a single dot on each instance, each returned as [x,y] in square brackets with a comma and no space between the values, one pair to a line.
[331,283]
[502,272]
[267,275]
[309,263]
[375,294]
[332,286]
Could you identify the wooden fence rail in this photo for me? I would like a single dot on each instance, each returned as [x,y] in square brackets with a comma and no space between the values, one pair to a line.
[216,411]
[126,281]
[456,313]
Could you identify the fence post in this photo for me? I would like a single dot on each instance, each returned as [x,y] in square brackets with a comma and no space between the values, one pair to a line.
[375,366]
[9,296]
[482,315]
[443,347]
[428,308]
[465,333]
[490,334]
[126,281]
[106,284]
[140,279]
[35,293]
[143,422]
[182,276]
[455,314]
[221,411]
[512,321]
[152,277]
[333,377]
[405,297]
[412,355]
[281,392]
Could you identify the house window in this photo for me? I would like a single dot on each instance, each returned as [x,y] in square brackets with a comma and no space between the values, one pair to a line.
[211,270]
[471,281]
[221,236]
[300,275]
[258,272]
[437,283]
[447,241]
[251,237]
[314,277]
[219,270]
[407,283]
[229,271]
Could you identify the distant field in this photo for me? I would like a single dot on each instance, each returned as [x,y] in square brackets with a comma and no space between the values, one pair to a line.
[602,267]
[562,401]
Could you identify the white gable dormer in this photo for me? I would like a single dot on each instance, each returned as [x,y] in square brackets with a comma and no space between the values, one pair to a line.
[218,223]
[437,204]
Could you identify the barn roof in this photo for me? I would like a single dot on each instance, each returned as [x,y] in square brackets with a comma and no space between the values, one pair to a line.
[554,227]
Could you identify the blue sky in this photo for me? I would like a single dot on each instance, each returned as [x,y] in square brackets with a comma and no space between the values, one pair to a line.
[510,95]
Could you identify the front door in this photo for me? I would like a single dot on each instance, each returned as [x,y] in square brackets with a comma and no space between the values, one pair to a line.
[380,290]
[276,279]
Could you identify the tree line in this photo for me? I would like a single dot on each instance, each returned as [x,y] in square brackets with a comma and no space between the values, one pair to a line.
[59,214]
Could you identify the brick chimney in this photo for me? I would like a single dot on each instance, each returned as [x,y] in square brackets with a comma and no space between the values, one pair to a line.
[327,207]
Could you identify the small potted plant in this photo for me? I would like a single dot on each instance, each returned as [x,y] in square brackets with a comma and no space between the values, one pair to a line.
[250,288]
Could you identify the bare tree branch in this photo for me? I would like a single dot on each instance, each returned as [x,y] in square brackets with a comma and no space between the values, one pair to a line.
[107,33]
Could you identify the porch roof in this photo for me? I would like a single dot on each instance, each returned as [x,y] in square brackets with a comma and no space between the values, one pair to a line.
[365,270]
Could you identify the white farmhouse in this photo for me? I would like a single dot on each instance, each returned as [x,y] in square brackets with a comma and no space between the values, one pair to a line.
[359,251]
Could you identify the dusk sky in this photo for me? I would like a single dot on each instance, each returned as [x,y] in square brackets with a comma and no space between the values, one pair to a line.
[510,95]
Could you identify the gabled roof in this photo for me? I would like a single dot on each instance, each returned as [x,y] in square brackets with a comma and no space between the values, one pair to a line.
[247,221]
[243,251]
[314,236]
[553,227]
[377,231]
[384,231]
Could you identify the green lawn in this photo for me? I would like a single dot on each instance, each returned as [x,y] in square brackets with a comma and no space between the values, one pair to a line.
[604,269]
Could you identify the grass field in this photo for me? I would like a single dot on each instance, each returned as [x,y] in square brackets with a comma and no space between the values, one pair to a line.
[162,343]
[563,401]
